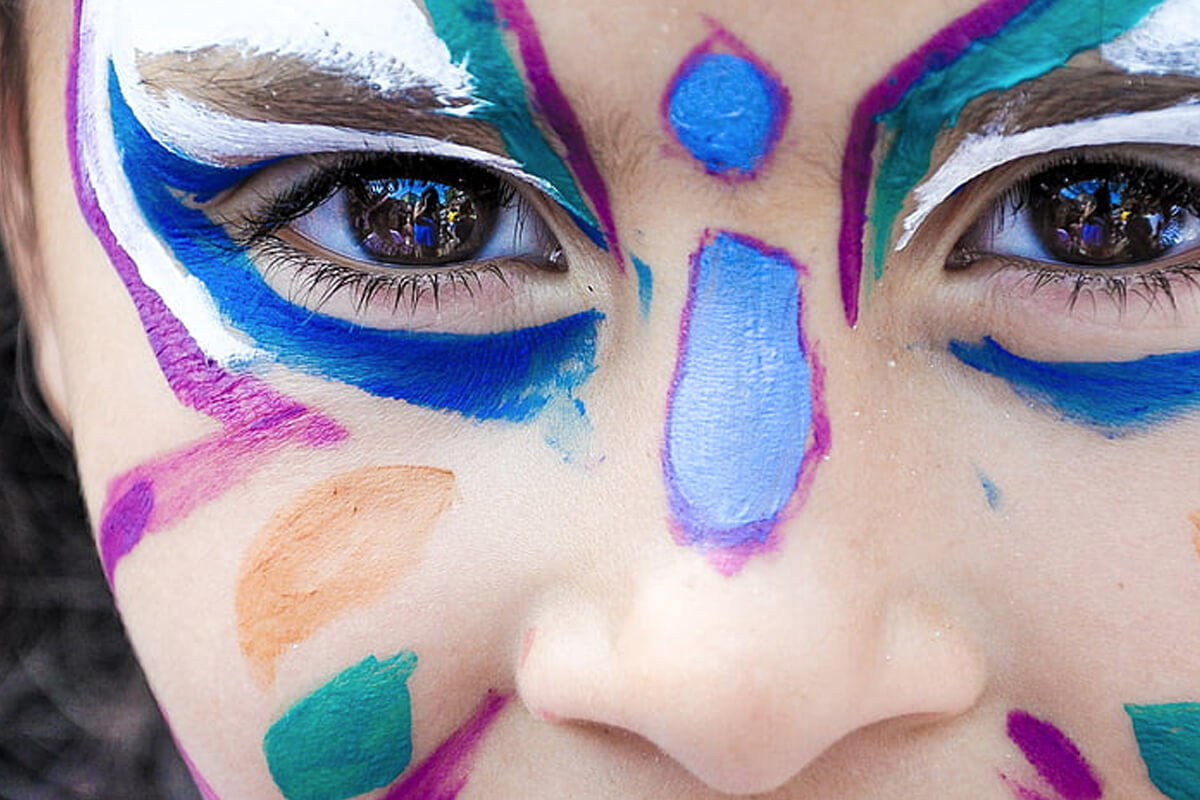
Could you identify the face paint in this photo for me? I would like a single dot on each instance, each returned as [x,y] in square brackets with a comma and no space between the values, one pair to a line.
[256,421]
[645,285]
[930,88]
[991,492]
[1164,44]
[352,735]
[1194,517]
[726,107]
[978,154]
[514,374]
[1023,792]
[746,425]
[341,545]
[1054,756]
[446,773]
[1114,398]
[1168,737]
[472,32]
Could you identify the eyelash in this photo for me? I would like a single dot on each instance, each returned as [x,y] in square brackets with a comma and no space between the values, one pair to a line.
[1152,285]
[314,280]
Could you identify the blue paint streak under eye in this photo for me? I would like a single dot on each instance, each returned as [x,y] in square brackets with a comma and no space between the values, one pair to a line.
[1112,397]
[645,285]
[741,408]
[726,111]
[511,375]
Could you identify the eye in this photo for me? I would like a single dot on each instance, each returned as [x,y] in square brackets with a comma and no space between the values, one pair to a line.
[1091,216]
[371,236]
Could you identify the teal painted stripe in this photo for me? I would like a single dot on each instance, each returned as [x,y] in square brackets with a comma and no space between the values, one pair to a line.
[1037,41]
[352,735]
[471,30]
[1169,739]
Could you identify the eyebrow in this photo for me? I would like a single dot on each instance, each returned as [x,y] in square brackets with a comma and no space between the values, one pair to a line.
[271,87]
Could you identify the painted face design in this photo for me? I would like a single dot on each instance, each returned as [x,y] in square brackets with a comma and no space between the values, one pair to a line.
[745,422]
[153,161]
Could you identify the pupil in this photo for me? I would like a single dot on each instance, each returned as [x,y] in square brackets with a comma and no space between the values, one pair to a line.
[412,221]
[1108,215]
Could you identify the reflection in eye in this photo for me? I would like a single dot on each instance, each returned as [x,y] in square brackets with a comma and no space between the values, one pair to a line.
[397,226]
[1091,214]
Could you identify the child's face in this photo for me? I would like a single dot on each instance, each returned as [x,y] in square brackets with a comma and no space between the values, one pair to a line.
[465,393]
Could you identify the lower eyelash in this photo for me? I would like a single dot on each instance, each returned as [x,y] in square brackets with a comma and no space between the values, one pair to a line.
[315,281]
[1151,286]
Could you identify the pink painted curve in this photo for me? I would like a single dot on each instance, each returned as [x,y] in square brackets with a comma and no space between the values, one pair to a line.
[946,45]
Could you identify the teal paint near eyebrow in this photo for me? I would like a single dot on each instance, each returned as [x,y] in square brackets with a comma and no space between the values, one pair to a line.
[1168,737]
[645,285]
[471,30]
[352,735]
[1038,40]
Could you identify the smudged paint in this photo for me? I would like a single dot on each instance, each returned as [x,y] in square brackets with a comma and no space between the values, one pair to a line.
[339,546]
[256,420]
[929,88]
[991,492]
[645,278]
[746,424]
[1113,398]
[1194,517]
[446,772]
[352,735]
[1168,738]
[513,376]
[1054,756]
[726,107]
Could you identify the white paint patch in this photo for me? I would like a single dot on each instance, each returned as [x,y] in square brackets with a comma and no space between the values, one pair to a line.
[389,44]
[184,294]
[980,153]
[1166,42]
[211,137]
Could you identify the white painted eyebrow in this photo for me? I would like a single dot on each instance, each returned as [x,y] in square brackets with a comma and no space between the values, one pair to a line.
[389,44]
[1167,42]
[980,153]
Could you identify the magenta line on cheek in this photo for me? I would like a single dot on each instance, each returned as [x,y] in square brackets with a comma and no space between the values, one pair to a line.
[256,420]
[553,104]
[1055,757]
[1022,792]
[446,772]
[857,166]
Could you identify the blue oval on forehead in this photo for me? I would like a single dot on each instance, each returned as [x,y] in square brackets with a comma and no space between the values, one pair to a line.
[727,111]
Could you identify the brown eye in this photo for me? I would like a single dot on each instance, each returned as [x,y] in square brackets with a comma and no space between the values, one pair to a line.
[1098,215]
[422,222]
[1109,215]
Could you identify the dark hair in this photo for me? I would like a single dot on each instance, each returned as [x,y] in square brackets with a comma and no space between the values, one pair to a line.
[76,719]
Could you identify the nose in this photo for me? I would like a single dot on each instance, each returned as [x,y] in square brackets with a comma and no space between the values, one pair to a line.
[744,681]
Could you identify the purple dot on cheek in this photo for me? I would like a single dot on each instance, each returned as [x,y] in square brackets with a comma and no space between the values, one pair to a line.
[1054,756]
[125,523]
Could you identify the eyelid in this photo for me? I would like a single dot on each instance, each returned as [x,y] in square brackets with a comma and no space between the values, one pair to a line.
[979,154]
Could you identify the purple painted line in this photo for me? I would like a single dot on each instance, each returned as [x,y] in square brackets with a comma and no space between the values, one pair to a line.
[257,420]
[446,772]
[554,106]
[723,38]
[1021,792]
[1054,756]
[857,166]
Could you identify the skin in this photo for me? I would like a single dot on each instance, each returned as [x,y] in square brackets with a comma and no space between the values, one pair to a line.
[874,654]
